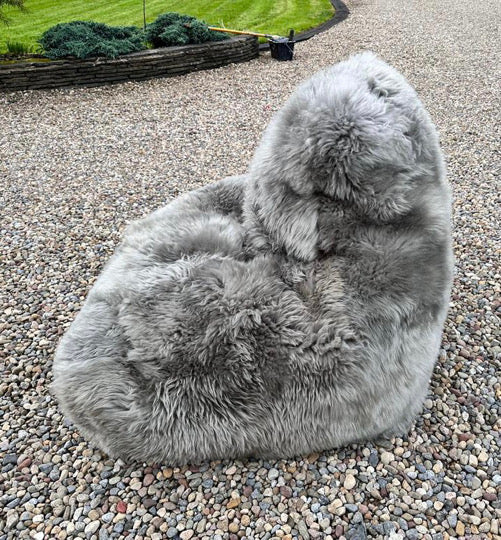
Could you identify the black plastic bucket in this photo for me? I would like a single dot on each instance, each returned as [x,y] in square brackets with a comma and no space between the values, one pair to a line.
[282,48]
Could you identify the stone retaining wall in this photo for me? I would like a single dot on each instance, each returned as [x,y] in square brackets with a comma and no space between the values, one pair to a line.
[164,62]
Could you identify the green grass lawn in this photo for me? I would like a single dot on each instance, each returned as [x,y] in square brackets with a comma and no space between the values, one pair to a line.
[267,16]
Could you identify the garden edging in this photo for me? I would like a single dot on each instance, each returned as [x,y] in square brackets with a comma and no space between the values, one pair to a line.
[341,12]
[164,62]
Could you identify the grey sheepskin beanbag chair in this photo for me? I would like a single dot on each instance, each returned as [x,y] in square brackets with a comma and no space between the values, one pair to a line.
[294,309]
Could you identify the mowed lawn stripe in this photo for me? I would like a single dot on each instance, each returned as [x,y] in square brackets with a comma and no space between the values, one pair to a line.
[268,16]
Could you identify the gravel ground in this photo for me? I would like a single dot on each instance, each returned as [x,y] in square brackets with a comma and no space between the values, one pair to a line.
[78,164]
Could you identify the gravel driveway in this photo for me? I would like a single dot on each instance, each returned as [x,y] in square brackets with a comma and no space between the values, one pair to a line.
[77,165]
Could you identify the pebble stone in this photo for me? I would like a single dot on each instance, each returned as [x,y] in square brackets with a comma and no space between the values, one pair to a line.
[78,164]
[349,481]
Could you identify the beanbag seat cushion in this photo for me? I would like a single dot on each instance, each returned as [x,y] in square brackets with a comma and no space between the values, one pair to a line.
[294,309]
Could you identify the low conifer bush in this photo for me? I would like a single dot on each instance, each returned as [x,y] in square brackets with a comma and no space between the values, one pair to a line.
[87,39]
[175,29]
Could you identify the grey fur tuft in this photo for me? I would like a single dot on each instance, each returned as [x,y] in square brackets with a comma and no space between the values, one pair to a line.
[294,309]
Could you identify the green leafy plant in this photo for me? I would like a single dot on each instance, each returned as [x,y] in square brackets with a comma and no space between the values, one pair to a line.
[86,39]
[176,29]
[18,48]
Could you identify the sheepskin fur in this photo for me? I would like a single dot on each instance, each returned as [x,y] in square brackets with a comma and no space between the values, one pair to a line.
[294,309]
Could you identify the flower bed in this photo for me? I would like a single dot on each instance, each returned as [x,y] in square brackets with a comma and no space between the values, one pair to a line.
[166,62]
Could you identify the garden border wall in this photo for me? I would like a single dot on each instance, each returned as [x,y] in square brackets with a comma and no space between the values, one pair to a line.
[165,62]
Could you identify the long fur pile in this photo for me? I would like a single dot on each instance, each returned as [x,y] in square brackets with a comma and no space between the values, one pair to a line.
[294,309]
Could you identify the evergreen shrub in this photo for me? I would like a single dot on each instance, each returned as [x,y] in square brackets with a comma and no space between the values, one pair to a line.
[175,29]
[86,39]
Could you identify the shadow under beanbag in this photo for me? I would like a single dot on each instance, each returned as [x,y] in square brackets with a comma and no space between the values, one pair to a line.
[294,309]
